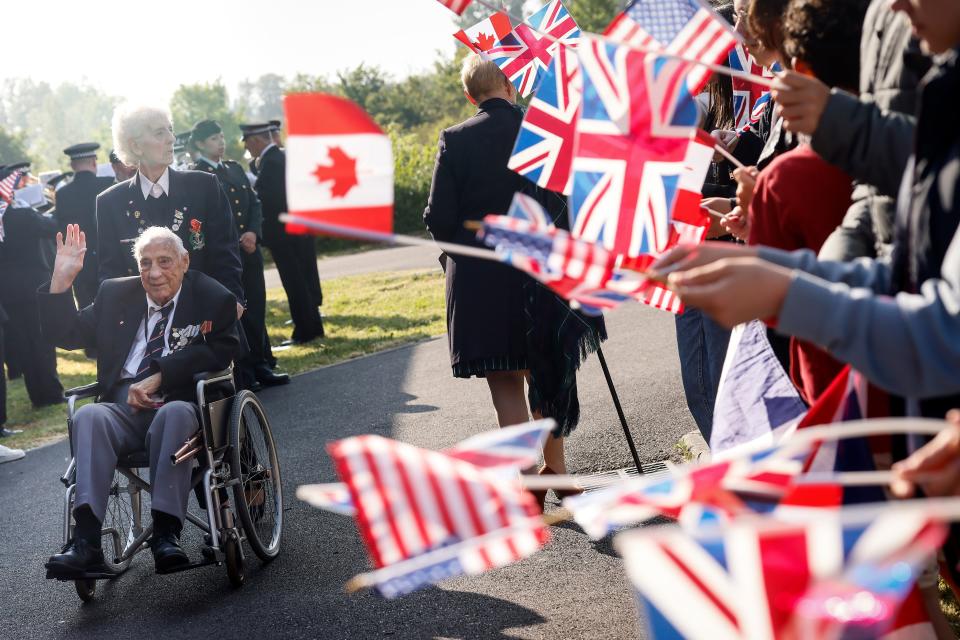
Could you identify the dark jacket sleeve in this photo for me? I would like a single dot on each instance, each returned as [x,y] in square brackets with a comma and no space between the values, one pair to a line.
[62,324]
[871,145]
[213,353]
[441,215]
[110,251]
[223,251]
[255,220]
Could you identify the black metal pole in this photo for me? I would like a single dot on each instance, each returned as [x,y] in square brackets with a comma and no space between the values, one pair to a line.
[616,403]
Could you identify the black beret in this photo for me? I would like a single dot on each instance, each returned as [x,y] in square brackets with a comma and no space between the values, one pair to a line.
[204,129]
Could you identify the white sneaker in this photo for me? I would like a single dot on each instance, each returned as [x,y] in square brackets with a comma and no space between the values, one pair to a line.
[9,455]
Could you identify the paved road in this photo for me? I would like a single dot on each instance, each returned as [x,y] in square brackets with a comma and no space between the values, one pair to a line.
[572,589]
[392,259]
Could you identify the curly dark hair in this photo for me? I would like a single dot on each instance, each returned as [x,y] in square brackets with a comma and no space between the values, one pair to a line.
[825,34]
[765,20]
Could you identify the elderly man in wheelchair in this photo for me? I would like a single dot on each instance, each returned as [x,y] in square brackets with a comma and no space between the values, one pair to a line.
[153,335]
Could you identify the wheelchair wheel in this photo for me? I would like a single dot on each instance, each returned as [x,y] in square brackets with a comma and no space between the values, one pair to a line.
[85,589]
[234,561]
[123,513]
[253,461]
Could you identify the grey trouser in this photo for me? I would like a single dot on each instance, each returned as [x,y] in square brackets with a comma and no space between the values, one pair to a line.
[106,431]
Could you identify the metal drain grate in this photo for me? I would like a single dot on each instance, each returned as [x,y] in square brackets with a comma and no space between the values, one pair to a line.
[595,481]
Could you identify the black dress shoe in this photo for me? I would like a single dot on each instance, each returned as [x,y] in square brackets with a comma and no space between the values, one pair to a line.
[77,558]
[270,379]
[298,340]
[167,553]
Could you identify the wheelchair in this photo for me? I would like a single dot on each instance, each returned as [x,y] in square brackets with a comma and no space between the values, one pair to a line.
[237,458]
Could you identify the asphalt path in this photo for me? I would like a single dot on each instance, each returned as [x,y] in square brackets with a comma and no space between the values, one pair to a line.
[574,588]
[375,260]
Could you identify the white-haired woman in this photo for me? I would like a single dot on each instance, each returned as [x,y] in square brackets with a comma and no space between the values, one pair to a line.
[189,203]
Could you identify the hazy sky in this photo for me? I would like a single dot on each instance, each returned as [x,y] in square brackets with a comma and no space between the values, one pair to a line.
[142,50]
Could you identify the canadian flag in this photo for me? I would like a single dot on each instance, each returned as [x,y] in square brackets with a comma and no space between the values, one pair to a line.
[339,164]
[486,33]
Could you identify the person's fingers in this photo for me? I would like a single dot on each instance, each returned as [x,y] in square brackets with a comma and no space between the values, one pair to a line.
[699,276]
[954,416]
[944,482]
[59,241]
[902,488]
[672,257]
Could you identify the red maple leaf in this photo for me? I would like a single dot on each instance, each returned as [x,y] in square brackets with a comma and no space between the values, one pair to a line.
[485,41]
[343,172]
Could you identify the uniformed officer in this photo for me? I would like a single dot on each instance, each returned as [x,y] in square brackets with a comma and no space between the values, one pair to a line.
[285,248]
[121,172]
[24,267]
[208,146]
[76,203]
[306,247]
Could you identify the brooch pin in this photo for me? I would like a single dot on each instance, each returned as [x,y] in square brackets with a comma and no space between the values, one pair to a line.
[196,235]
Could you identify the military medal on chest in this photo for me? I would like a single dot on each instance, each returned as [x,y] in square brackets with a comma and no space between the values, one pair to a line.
[177,220]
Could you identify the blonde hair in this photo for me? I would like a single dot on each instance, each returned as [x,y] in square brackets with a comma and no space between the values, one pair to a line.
[129,123]
[481,77]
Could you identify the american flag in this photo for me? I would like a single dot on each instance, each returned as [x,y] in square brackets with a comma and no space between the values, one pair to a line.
[628,183]
[411,501]
[457,6]
[506,450]
[536,41]
[686,28]
[482,36]
[581,272]
[9,184]
[543,151]
[768,580]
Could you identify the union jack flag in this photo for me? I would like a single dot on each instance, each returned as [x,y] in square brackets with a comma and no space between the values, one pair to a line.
[527,209]
[768,580]
[536,40]
[482,36]
[9,184]
[694,495]
[543,152]
[505,450]
[627,183]
[457,6]
[749,99]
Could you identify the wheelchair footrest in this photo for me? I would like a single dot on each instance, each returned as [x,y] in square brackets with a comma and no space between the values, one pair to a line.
[186,567]
[86,575]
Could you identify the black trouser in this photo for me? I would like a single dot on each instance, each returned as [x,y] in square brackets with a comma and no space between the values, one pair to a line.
[303,309]
[307,254]
[254,318]
[36,357]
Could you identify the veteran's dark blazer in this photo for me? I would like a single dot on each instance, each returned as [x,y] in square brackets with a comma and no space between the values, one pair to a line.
[247,212]
[272,188]
[197,210]
[110,324]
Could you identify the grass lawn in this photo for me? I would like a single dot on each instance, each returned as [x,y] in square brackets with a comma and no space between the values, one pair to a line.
[362,314]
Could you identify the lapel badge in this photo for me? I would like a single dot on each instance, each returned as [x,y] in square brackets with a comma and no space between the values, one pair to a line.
[136,214]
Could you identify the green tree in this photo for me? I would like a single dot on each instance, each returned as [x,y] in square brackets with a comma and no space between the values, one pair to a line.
[12,148]
[207,101]
[594,15]
[261,99]
[50,118]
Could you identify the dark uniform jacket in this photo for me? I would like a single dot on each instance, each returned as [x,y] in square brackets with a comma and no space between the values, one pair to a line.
[77,204]
[272,189]
[21,251]
[247,212]
[197,210]
[109,326]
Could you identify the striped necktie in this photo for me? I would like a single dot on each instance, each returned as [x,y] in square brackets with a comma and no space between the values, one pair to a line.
[155,344]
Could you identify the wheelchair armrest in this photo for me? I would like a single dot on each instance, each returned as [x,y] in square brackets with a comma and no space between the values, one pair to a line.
[213,376]
[85,391]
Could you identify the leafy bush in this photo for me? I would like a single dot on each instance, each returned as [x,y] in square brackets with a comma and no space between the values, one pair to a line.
[413,169]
